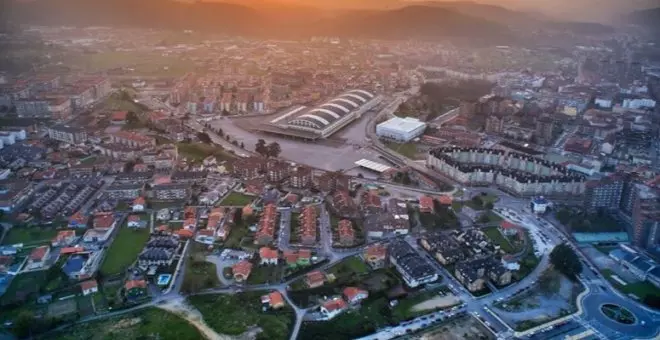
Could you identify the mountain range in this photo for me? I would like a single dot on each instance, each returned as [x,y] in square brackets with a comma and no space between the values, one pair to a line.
[267,18]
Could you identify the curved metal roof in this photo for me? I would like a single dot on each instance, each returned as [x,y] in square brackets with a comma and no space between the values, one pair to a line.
[334,109]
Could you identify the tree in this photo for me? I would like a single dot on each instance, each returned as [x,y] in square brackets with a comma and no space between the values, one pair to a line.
[234,142]
[274,149]
[204,137]
[652,301]
[227,137]
[261,147]
[489,205]
[242,145]
[225,112]
[220,132]
[238,216]
[566,261]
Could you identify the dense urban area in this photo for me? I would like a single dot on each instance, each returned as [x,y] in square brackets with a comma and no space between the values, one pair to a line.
[184,184]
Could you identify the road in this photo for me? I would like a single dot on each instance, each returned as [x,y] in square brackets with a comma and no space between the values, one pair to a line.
[216,139]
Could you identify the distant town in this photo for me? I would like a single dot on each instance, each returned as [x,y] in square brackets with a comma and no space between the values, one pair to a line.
[160,184]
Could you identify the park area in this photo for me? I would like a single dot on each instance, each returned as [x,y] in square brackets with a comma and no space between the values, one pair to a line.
[552,297]
[197,152]
[199,273]
[641,289]
[124,250]
[236,199]
[238,313]
[150,323]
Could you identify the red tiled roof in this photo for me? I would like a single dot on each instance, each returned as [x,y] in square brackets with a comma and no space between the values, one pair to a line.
[71,250]
[507,225]
[336,304]
[90,284]
[315,277]
[135,284]
[268,253]
[376,250]
[119,115]
[133,218]
[426,202]
[140,200]
[103,220]
[345,228]
[242,268]
[351,292]
[38,253]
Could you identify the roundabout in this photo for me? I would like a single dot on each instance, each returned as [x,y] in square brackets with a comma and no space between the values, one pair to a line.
[618,313]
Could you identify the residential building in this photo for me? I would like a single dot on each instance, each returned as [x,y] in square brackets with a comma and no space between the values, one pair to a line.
[301,177]
[64,238]
[308,225]
[266,227]
[274,300]
[124,192]
[331,181]
[314,279]
[135,288]
[67,134]
[346,233]
[473,274]
[375,255]
[426,204]
[241,270]
[171,191]
[268,255]
[132,139]
[89,287]
[139,204]
[354,295]
[37,258]
[333,307]
[414,269]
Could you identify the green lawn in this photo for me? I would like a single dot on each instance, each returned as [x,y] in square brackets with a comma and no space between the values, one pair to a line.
[265,274]
[407,149]
[124,250]
[404,310]
[199,273]
[152,323]
[641,289]
[237,233]
[351,266]
[496,237]
[30,235]
[235,314]
[198,151]
[372,315]
[23,285]
[236,199]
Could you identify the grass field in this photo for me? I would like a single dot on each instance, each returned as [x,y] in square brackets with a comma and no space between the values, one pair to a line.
[351,266]
[407,149]
[236,199]
[143,63]
[199,273]
[29,236]
[237,233]
[235,314]
[151,323]
[124,250]
[198,151]
[641,289]
[265,274]
[496,237]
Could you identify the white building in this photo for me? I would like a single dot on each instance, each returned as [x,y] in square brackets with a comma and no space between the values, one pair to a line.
[540,205]
[401,129]
[638,103]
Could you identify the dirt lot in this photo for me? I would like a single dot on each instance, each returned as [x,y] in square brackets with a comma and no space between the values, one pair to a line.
[465,328]
[437,302]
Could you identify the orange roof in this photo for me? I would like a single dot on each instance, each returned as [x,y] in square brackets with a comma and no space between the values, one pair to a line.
[335,304]
[268,253]
[507,225]
[135,284]
[133,218]
[242,268]
[185,233]
[163,227]
[305,254]
[205,232]
[345,228]
[164,179]
[445,200]
[275,298]
[351,292]
[64,234]
[426,202]
[103,220]
[190,221]
[85,285]
[376,250]
[78,218]
[119,115]
[38,253]
[290,256]
[71,250]
[315,276]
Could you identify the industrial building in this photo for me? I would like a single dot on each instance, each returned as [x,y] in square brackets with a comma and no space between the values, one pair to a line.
[325,119]
[400,129]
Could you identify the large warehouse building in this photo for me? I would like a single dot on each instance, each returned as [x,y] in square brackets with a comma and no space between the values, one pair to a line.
[329,117]
[400,129]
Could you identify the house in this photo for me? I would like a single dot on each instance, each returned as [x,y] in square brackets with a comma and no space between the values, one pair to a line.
[89,287]
[71,250]
[346,233]
[241,270]
[63,238]
[426,204]
[104,221]
[134,221]
[266,227]
[508,229]
[354,295]
[376,255]
[135,288]
[139,204]
[274,300]
[78,220]
[268,255]
[414,270]
[308,219]
[332,308]
[37,259]
[474,273]
[163,214]
[314,279]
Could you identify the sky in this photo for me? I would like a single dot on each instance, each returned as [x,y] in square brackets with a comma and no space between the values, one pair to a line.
[588,10]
